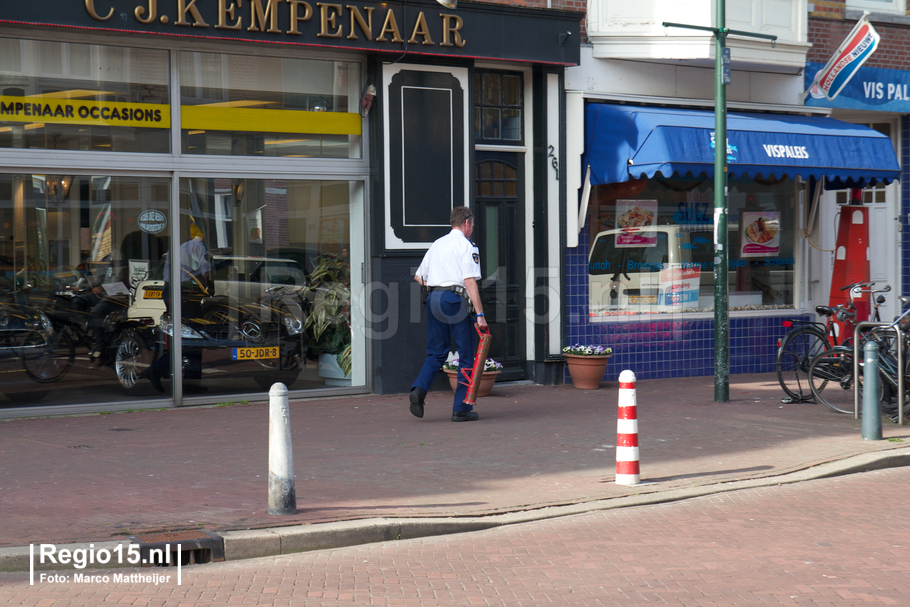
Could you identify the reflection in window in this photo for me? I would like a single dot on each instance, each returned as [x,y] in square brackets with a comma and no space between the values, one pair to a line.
[279,302]
[64,96]
[497,107]
[269,106]
[652,246]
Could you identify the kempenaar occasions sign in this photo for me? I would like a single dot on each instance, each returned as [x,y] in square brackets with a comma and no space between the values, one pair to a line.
[475,30]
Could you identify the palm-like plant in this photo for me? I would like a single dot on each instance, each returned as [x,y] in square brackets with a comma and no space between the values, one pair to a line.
[329,320]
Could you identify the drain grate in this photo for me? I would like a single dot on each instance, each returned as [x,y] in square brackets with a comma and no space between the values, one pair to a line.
[196,547]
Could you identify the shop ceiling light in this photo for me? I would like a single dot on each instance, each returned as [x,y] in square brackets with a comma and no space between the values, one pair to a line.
[451,4]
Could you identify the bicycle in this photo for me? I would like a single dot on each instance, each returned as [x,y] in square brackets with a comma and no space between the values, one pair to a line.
[798,347]
[831,371]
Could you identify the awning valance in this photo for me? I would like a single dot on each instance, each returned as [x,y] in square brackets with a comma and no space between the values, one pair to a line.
[628,142]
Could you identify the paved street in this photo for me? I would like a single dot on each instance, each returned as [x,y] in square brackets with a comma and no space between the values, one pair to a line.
[838,541]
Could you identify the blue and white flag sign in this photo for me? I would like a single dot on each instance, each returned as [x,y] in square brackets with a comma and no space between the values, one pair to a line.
[852,53]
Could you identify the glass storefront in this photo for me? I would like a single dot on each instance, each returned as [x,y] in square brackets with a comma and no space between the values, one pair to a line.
[269,106]
[75,249]
[652,246]
[62,96]
[88,313]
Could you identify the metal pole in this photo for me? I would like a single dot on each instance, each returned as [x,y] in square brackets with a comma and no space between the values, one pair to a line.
[872,408]
[721,320]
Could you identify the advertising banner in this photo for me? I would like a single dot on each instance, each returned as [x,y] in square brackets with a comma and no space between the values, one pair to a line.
[679,286]
[873,88]
[759,234]
[847,59]
[635,216]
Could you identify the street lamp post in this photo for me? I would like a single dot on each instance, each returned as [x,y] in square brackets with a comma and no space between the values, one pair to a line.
[721,251]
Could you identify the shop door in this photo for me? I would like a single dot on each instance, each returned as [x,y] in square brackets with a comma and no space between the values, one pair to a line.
[499,233]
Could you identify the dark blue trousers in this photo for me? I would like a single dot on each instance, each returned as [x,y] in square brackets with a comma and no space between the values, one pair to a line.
[447,321]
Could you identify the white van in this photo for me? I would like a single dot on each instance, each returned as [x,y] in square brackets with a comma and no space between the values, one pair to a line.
[653,269]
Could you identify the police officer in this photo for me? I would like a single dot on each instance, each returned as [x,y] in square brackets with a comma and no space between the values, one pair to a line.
[450,269]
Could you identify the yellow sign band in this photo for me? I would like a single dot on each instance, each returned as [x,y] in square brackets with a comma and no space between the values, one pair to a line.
[207,118]
[54,110]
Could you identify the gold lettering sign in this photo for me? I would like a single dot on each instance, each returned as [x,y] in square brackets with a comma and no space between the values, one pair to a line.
[90,7]
[327,14]
[307,13]
[365,26]
[258,14]
[453,30]
[37,109]
[270,16]
[421,29]
[152,12]
[227,12]
[183,7]
[390,25]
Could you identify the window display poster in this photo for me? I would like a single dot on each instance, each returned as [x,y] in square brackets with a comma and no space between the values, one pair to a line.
[635,216]
[760,234]
[679,286]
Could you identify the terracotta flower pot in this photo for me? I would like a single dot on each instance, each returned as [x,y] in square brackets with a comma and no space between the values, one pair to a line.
[587,371]
[486,381]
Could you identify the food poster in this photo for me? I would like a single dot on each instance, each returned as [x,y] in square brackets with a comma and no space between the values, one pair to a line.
[679,286]
[760,234]
[635,216]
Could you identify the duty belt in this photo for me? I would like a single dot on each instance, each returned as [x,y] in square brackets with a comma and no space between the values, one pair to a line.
[454,288]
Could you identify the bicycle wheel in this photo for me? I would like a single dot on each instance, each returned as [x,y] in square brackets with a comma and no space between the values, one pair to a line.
[53,362]
[831,379]
[796,352]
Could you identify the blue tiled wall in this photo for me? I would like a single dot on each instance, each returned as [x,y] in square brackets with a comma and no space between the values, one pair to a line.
[665,347]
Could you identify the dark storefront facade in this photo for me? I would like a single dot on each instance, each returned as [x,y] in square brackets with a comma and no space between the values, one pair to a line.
[297,158]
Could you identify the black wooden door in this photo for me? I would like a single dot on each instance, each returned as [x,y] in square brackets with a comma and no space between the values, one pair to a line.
[499,233]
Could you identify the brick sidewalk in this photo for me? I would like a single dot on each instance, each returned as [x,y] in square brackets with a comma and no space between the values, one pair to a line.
[101,477]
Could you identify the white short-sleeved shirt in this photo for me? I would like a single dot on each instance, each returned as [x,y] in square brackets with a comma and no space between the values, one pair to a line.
[449,261]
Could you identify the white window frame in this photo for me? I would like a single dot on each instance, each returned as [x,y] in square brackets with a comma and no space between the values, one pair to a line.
[892,7]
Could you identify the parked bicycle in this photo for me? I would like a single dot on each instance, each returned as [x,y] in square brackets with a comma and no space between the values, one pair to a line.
[831,371]
[798,347]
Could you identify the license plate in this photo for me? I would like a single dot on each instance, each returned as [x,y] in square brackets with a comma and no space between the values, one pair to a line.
[152,294]
[642,299]
[255,353]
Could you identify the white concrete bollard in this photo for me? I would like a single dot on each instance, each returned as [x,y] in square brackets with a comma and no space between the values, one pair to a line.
[282,493]
[627,469]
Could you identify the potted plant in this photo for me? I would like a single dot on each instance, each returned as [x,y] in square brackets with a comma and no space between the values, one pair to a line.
[587,364]
[491,370]
[328,323]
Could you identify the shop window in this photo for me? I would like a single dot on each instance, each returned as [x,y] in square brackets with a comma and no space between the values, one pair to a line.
[498,107]
[63,96]
[76,253]
[272,302]
[269,106]
[652,246]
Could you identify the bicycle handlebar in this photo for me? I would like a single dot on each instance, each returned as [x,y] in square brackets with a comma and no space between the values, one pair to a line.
[858,284]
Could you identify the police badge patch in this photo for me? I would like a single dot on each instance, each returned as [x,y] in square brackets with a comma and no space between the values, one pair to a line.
[475,257]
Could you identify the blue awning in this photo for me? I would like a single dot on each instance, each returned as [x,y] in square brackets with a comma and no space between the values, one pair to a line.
[627,142]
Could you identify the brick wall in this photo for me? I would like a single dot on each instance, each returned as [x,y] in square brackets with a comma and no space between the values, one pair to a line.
[828,28]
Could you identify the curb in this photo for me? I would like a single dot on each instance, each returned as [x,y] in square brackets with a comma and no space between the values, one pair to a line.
[277,541]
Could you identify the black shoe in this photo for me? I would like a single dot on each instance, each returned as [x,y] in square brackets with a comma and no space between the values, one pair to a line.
[154,379]
[416,397]
[465,416]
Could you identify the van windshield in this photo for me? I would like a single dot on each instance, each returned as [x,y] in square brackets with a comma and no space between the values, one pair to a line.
[607,258]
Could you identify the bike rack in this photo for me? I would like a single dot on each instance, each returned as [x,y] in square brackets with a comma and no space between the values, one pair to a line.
[900,368]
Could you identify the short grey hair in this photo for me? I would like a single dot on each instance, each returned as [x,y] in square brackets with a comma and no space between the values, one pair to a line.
[460,215]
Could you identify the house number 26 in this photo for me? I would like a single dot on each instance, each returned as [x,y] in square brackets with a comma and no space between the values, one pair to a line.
[553,163]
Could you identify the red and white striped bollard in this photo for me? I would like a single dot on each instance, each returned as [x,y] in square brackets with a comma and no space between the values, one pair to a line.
[627,470]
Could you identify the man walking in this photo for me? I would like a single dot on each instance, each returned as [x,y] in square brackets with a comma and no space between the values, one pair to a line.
[450,269]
